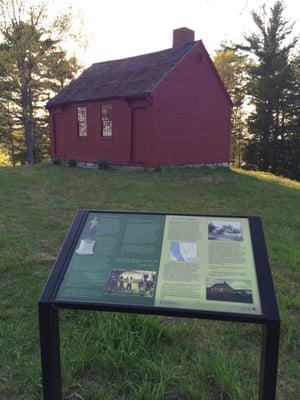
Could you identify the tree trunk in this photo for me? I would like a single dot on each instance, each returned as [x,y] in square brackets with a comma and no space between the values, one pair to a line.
[239,147]
[233,134]
[11,145]
[27,123]
[29,147]
[274,159]
[265,160]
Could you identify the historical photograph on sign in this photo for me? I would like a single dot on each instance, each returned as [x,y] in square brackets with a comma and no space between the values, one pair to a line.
[239,291]
[131,282]
[225,230]
[86,246]
[183,251]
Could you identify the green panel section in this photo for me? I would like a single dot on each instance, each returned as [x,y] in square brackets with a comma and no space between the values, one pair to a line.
[116,260]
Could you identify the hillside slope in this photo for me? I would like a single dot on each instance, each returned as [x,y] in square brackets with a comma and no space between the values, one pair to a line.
[128,357]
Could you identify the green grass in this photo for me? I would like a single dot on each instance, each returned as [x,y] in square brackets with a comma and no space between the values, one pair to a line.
[125,357]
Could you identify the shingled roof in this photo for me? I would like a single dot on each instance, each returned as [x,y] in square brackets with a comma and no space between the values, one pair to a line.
[121,78]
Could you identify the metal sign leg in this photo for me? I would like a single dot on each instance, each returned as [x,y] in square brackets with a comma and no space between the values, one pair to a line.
[50,352]
[269,360]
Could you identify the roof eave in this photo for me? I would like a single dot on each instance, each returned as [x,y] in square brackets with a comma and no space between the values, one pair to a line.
[50,105]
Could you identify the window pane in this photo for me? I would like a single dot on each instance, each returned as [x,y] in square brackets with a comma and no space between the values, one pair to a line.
[106,128]
[82,122]
[81,114]
[82,128]
[106,111]
[106,119]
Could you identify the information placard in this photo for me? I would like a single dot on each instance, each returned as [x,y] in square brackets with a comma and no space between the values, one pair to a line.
[172,261]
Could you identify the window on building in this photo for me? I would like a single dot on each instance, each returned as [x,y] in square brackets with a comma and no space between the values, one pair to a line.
[82,121]
[106,120]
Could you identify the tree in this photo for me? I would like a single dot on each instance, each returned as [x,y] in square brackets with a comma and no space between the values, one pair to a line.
[33,66]
[274,92]
[10,140]
[231,67]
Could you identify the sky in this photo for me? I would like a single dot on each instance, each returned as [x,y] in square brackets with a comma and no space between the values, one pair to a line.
[234,283]
[236,225]
[124,28]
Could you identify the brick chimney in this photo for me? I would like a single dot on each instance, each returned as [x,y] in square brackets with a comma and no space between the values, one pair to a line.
[182,36]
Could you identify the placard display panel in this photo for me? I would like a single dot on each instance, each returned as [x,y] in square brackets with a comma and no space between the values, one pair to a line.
[171,261]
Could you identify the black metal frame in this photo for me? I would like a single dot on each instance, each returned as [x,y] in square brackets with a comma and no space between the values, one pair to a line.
[49,307]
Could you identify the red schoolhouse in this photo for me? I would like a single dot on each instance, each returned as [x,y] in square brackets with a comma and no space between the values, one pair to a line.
[164,108]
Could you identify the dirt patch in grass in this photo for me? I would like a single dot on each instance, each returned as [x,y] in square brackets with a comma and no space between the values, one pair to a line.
[212,179]
[43,256]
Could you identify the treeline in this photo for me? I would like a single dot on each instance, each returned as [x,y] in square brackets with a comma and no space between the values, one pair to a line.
[262,77]
[33,67]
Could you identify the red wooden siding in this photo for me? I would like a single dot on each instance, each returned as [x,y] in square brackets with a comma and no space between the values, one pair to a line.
[191,114]
[117,149]
[140,135]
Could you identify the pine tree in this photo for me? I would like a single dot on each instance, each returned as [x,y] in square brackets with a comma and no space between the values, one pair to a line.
[32,67]
[273,91]
[231,67]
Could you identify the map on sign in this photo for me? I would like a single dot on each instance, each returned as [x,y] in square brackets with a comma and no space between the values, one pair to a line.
[181,251]
[156,260]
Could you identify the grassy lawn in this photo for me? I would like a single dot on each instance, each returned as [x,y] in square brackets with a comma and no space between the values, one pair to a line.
[114,356]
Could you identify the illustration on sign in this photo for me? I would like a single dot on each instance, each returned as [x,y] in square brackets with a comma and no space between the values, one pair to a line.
[224,230]
[181,251]
[229,290]
[131,282]
[86,246]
